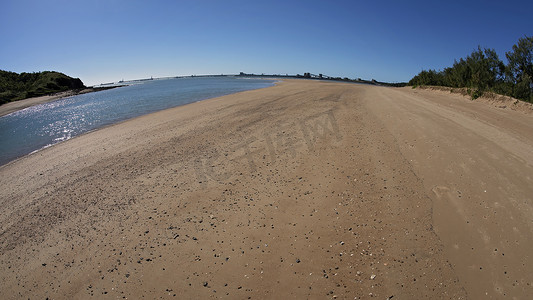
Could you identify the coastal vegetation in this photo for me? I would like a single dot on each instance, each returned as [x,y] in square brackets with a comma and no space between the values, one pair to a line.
[14,86]
[482,71]
[323,77]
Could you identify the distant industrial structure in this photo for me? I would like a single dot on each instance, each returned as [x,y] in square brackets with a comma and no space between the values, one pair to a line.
[323,77]
[263,75]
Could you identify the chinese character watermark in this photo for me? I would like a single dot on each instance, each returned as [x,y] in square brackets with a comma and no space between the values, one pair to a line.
[290,138]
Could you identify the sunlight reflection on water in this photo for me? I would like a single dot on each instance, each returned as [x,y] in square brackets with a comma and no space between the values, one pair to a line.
[40,126]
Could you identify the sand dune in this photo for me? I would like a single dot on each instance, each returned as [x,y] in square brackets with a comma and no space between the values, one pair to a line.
[303,190]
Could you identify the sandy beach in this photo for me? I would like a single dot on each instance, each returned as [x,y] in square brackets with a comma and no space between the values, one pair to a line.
[304,190]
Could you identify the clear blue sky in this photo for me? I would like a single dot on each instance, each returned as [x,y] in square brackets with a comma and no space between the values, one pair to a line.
[108,40]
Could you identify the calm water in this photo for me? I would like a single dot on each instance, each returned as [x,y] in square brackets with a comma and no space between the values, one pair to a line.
[43,125]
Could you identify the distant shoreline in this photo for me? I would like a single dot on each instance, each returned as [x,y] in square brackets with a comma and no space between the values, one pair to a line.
[14,106]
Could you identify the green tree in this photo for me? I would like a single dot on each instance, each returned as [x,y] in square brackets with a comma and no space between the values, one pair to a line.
[520,68]
[520,59]
[15,86]
[485,69]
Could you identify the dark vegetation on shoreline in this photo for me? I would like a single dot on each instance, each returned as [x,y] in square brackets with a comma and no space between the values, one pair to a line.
[482,71]
[321,77]
[14,86]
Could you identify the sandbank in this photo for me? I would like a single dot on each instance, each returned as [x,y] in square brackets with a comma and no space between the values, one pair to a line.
[14,106]
[301,190]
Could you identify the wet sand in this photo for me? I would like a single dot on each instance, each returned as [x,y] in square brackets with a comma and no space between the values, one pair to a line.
[303,190]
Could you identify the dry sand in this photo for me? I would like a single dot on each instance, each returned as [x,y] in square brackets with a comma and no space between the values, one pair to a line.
[303,190]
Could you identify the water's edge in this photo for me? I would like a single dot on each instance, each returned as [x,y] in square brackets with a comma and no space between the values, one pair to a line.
[104,126]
